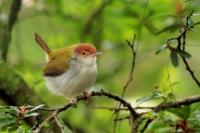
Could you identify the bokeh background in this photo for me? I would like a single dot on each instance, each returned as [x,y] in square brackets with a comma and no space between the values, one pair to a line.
[107,24]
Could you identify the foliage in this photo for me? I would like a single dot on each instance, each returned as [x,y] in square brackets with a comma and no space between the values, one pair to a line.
[11,118]
[107,24]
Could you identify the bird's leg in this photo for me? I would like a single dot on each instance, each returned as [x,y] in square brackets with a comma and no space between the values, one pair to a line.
[87,95]
[72,100]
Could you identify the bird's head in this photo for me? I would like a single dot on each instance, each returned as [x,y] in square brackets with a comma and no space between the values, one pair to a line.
[86,53]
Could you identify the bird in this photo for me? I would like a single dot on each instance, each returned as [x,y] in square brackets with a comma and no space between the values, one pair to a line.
[71,70]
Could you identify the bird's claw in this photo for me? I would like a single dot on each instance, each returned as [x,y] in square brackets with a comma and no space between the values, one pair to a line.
[87,95]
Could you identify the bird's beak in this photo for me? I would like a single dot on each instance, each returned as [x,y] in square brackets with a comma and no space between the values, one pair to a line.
[98,53]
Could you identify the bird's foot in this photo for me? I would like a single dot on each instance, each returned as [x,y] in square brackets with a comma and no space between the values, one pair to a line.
[73,101]
[87,95]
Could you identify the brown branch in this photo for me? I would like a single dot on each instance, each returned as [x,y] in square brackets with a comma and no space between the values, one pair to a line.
[178,104]
[122,119]
[126,104]
[5,30]
[162,107]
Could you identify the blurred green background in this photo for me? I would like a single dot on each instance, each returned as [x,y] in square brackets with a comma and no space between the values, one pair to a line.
[107,24]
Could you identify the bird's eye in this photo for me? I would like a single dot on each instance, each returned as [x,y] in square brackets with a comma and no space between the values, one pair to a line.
[83,53]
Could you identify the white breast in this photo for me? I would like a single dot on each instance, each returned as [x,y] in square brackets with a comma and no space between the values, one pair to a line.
[79,77]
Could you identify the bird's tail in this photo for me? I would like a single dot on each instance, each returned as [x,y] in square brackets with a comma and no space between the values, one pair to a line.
[42,44]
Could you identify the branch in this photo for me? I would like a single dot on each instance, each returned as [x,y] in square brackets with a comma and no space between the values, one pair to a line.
[5,29]
[126,104]
[114,108]
[130,78]
[182,35]
[187,101]
[110,108]
[164,106]
[122,119]
[190,71]
[132,47]
[146,125]
[59,124]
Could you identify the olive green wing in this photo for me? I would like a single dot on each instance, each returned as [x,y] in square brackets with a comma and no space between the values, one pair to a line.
[58,63]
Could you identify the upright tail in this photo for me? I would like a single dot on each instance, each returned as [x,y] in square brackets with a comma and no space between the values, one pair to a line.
[42,44]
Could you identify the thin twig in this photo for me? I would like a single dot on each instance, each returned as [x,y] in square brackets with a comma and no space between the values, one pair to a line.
[130,78]
[110,108]
[170,84]
[59,124]
[121,119]
[182,35]
[190,71]
[131,45]
[143,107]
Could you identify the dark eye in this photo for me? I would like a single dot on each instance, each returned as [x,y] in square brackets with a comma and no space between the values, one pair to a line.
[83,53]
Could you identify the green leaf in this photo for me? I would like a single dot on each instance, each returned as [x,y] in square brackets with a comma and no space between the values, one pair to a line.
[32,115]
[184,54]
[174,58]
[153,96]
[183,112]
[190,22]
[7,122]
[13,128]
[9,110]
[37,107]
[161,49]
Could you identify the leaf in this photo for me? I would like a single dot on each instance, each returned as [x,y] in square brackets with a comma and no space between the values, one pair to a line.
[31,115]
[174,58]
[37,107]
[184,54]
[7,122]
[153,96]
[161,49]
[190,22]
[9,110]
[13,128]
[183,112]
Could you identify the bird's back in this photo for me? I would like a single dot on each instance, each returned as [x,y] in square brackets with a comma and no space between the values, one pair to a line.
[58,61]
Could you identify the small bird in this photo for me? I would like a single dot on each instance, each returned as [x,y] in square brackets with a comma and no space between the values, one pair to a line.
[71,70]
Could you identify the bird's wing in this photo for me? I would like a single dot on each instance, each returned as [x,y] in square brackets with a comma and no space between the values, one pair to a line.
[58,63]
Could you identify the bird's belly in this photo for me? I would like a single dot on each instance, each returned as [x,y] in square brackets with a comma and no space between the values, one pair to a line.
[72,82]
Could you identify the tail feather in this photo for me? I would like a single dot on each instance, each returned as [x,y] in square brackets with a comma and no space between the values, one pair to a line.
[42,43]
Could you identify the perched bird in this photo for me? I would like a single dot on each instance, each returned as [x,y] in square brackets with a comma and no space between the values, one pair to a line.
[71,70]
